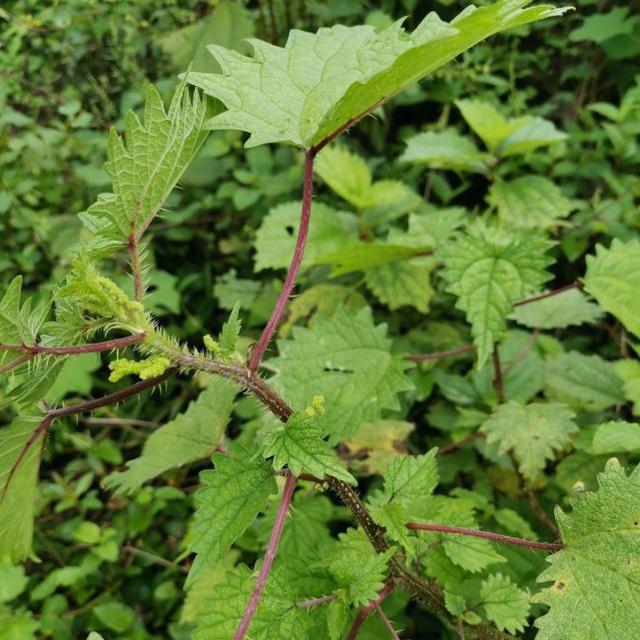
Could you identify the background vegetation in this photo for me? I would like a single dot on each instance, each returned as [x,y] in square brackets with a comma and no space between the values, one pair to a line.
[70,70]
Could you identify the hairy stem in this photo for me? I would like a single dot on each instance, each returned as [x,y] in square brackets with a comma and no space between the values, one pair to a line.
[366,611]
[314,602]
[269,557]
[136,267]
[290,280]
[487,535]
[106,345]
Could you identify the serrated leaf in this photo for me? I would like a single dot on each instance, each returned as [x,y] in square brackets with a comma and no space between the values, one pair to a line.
[299,445]
[582,381]
[567,309]
[613,279]
[532,431]
[145,169]
[305,92]
[18,485]
[488,277]
[357,567]
[345,358]
[596,587]
[411,477]
[616,437]
[401,284]
[231,497]
[276,617]
[192,435]
[446,150]
[529,202]
[505,604]
[329,231]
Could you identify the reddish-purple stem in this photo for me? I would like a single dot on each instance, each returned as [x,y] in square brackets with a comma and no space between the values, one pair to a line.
[106,345]
[488,535]
[366,611]
[290,280]
[549,294]
[269,557]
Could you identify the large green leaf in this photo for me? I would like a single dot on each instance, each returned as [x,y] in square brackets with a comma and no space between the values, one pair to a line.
[345,358]
[231,497]
[596,580]
[613,279]
[533,432]
[319,83]
[145,169]
[18,482]
[191,436]
[488,277]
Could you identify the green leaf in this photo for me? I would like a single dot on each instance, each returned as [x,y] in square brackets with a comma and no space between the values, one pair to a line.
[602,26]
[299,445]
[17,625]
[567,309]
[533,432]
[582,382]
[146,168]
[18,486]
[192,435]
[446,150]
[12,580]
[231,497]
[357,256]
[508,137]
[318,83]
[529,202]
[357,567]
[350,177]
[505,604]
[115,615]
[629,372]
[595,591]
[411,477]
[228,25]
[345,358]
[613,279]
[329,231]
[488,277]
[615,437]
[401,284]
[276,617]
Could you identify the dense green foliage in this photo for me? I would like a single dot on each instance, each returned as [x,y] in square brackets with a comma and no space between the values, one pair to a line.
[420,376]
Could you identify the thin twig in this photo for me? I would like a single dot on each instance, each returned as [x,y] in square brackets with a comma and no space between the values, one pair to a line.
[269,557]
[366,611]
[456,445]
[152,557]
[549,294]
[421,357]
[119,422]
[542,514]
[43,350]
[487,535]
[498,383]
[296,260]
[314,602]
[387,622]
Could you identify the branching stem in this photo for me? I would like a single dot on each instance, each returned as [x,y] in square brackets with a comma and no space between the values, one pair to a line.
[290,280]
[106,345]
[269,557]
[487,535]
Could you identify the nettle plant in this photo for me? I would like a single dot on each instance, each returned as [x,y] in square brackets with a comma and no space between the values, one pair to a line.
[337,386]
